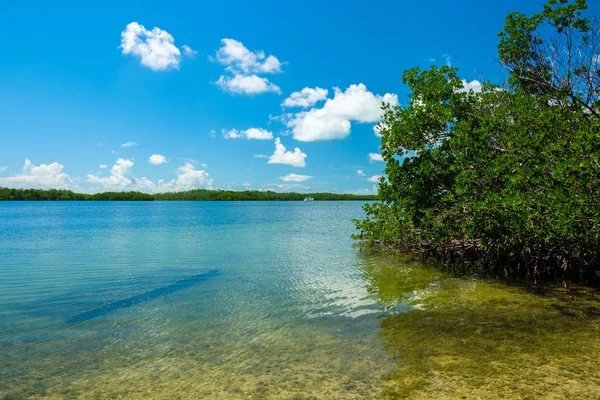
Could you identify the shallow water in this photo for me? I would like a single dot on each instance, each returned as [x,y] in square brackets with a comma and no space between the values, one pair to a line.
[265,300]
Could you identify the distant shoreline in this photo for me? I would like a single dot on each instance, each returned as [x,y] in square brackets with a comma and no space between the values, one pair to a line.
[7,194]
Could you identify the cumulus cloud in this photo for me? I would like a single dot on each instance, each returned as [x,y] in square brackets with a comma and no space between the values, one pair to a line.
[307,97]
[251,133]
[188,51]
[246,84]
[374,157]
[243,68]
[473,86]
[102,166]
[189,178]
[155,48]
[39,176]
[237,57]
[333,120]
[295,178]
[129,144]
[121,178]
[374,178]
[157,159]
[378,128]
[360,172]
[281,156]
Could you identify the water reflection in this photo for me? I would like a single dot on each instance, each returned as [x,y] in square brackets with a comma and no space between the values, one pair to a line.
[464,338]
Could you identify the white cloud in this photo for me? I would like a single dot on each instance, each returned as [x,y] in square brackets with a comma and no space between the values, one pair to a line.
[378,128]
[473,86]
[374,178]
[251,133]
[246,84]
[360,172]
[2,169]
[307,97]
[373,157]
[188,179]
[238,58]
[333,120]
[281,156]
[157,159]
[121,178]
[155,48]
[295,178]
[188,51]
[118,178]
[244,67]
[102,166]
[129,144]
[260,156]
[448,60]
[39,176]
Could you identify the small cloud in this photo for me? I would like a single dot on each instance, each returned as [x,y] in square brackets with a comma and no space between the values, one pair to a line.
[448,60]
[295,178]
[129,144]
[361,172]
[260,156]
[430,59]
[250,133]
[235,56]
[243,67]
[212,133]
[246,84]
[474,86]
[157,159]
[155,48]
[374,178]
[188,51]
[307,97]
[374,157]
[102,166]
[2,169]
[281,156]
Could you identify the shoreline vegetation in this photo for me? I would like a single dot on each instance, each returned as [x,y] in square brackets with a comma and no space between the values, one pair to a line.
[500,180]
[7,194]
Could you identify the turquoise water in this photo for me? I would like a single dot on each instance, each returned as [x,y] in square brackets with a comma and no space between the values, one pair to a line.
[265,300]
[118,298]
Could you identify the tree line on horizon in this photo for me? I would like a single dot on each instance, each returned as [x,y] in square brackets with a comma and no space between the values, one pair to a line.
[191,195]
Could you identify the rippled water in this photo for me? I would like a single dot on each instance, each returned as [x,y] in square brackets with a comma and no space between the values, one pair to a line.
[264,300]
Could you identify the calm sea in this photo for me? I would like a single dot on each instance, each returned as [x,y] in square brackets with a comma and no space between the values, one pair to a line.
[203,299]
[265,300]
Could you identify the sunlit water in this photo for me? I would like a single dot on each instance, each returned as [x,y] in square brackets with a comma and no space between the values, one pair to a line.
[264,300]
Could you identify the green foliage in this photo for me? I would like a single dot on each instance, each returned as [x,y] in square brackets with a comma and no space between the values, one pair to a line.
[505,180]
[199,194]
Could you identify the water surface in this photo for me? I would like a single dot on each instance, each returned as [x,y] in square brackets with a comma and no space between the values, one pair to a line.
[264,300]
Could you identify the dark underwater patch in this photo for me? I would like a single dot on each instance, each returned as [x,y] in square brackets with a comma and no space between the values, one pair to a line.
[142,297]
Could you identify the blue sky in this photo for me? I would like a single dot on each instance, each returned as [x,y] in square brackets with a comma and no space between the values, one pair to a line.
[201,86]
